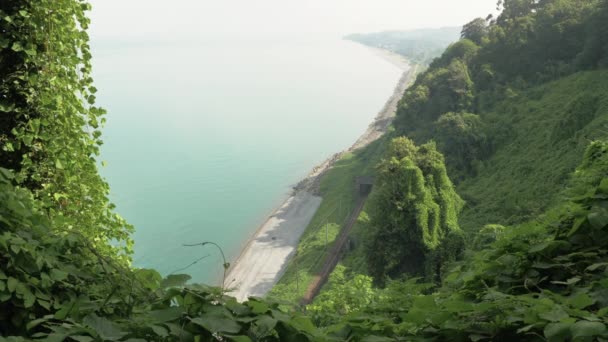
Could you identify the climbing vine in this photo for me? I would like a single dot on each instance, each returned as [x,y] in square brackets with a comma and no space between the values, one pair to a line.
[415,217]
[47,92]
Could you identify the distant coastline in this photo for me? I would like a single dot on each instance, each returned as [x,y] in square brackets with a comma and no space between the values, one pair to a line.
[264,257]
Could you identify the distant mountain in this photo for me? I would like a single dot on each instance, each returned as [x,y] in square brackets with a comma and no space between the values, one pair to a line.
[420,46]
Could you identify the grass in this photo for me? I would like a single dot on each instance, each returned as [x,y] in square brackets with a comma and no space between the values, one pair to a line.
[542,135]
[339,195]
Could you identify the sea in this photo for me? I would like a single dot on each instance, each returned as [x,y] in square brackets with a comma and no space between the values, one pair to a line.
[206,137]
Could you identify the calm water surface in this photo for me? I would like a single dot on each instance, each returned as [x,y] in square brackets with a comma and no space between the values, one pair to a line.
[204,138]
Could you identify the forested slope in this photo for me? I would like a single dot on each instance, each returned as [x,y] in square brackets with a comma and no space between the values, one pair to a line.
[496,175]
[512,107]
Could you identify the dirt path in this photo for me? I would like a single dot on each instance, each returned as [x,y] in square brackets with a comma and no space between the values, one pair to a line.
[332,258]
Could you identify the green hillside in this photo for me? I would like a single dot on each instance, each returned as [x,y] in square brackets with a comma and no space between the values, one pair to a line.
[539,136]
[488,220]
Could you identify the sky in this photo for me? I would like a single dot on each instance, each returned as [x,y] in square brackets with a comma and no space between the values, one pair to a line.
[138,19]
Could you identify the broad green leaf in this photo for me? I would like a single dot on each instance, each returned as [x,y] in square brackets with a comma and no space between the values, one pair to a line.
[106,329]
[555,315]
[217,324]
[580,301]
[539,247]
[58,275]
[587,329]
[555,332]
[166,315]
[266,323]
[257,307]
[237,308]
[11,284]
[160,331]
[28,299]
[175,280]
[598,218]
[5,175]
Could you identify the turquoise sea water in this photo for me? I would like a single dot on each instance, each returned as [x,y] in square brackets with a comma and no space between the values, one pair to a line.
[204,138]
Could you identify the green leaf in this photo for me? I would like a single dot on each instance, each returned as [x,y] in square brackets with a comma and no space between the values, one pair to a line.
[373,338]
[240,338]
[17,47]
[555,315]
[568,282]
[5,175]
[11,283]
[539,247]
[580,301]
[557,331]
[81,338]
[594,267]
[58,275]
[175,280]
[166,315]
[34,323]
[598,218]
[257,307]
[217,324]
[64,311]
[28,299]
[266,323]
[160,331]
[587,329]
[106,329]
[45,304]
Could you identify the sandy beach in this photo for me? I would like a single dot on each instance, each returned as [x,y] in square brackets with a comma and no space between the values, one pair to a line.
[264,258]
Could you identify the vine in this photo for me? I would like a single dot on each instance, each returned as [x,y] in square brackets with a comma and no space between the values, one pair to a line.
[47,92]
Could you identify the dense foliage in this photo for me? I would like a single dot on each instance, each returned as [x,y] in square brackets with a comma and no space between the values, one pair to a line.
[414,218]
[56,285]
[49,125]
[513,106]
[490,94]
[497,104]
[543,280]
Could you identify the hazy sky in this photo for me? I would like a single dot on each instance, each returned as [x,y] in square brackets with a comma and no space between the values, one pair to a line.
[191,18]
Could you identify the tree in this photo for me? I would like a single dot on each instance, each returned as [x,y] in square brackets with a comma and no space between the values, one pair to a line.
[415,208]
[475,31]
[342,296]
[516,8]
[462,138]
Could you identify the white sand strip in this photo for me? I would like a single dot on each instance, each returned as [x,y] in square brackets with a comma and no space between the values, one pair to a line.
[265,257]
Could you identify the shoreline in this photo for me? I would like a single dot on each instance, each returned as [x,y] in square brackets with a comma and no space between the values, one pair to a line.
[264,257]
